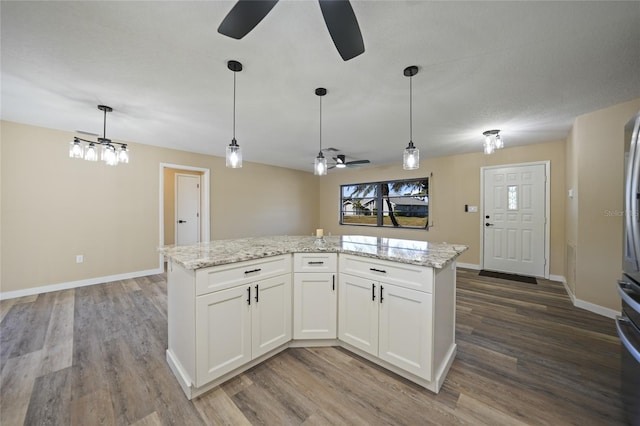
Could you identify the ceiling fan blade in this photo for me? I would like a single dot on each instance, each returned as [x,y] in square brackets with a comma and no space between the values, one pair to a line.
[356,162]
[343,27]
[244,16]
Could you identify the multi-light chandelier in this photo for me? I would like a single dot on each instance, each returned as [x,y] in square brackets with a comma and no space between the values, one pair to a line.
[492,141]
[88,150]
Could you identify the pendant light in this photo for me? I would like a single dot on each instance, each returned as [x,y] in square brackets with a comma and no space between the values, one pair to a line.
[320,165]
[234,155]
[411,156]
[109,154]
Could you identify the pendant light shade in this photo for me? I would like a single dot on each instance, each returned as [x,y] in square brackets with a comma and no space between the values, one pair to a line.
[411,155]
[234,154]
[320,164]
[492,141]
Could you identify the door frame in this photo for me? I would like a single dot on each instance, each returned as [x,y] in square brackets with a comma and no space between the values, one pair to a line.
[175,206]
[547,210]
[205,221]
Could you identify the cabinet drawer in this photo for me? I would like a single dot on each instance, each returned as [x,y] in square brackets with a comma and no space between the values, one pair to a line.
[315,262]
[226,276]
[402,274]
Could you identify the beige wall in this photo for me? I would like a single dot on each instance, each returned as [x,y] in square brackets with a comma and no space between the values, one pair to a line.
[54,207]
[597,153]
[456,182]
[169,201]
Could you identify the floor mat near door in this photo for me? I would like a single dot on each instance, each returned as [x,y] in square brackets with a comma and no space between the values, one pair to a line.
[512,277]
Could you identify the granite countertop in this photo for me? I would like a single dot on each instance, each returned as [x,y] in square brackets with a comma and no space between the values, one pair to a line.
[220,252]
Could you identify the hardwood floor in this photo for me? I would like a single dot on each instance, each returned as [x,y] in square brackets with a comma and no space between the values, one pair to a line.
[96,355]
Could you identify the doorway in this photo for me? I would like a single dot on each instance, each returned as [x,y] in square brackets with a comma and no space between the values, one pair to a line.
[515,219]
[167,206]
[187,208]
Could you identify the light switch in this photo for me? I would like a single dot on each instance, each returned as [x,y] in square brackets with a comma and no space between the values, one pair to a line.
[570,193]
[473,209]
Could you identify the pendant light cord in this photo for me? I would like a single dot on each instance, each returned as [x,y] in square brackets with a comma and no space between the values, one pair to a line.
[410,109]
[234,105]
[320,124]
[104,126]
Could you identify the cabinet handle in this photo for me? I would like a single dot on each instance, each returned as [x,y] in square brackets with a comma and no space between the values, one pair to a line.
[249,295]
[381,298]
[378,270]
[333,285]
[316,263]
[253,270]
[373,292]
[257,293]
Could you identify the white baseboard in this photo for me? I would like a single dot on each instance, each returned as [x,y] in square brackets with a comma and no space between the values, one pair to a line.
[596,309]
[74,284]
[468,266]
[558,278]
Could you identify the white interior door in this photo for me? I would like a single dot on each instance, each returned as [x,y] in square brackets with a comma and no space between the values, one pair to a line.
[187,209]
[514,219]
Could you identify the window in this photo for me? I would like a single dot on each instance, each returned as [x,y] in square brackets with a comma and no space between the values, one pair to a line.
[397,204]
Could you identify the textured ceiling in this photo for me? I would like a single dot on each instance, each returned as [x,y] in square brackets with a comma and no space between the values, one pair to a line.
[527,68]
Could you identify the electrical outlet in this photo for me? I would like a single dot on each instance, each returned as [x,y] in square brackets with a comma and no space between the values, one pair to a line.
[79,258]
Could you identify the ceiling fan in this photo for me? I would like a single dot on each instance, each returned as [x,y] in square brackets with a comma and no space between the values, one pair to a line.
[338,15]
[341,162]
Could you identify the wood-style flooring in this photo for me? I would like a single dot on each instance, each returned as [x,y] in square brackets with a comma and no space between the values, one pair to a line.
[96,356]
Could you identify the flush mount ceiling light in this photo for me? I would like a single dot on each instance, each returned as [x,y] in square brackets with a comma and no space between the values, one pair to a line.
[320,165]
[234,155]
[411,155]
[88,150]
[492,141]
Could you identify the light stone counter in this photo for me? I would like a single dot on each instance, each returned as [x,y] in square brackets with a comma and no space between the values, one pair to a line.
[220,252]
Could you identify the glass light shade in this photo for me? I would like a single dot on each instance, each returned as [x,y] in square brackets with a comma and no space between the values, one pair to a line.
[489,147]
[76,150]
[498,142]
[123,155]
[234,155]
[320,165]
[110,156]
[411,157]
[341,165]
[91,153]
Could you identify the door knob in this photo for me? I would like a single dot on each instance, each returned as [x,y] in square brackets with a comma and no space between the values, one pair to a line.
[182,221]
[488,224]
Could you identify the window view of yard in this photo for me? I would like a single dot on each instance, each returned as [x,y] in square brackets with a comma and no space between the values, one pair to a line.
[402,203]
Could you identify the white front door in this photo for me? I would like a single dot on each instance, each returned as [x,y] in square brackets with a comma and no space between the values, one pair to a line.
[187,209]
[514,219]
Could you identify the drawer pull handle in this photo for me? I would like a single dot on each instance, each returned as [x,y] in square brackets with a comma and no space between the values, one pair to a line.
[316,263]
[253,270]
[257,293]
[249,295]
[373,292]
[381,298]
[333,286]
[378,270]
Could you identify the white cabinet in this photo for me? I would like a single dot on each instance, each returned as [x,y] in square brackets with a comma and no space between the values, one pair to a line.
[238,324]
[315,296]
[389,321]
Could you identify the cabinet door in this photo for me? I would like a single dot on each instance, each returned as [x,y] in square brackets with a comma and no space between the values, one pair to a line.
[314,306]
[271,314]
[358,313]
[223,333]
[406,329]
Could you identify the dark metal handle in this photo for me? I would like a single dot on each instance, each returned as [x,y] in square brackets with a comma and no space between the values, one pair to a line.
[378,270]
[182,221]
[316,263]
[333,286]
[249,295]
[488,224]
[252,271]
[624,339]
[257,293]
[381,298]
[373,292]
[626,297]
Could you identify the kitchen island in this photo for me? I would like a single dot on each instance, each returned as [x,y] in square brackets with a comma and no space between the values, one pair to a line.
[234,303]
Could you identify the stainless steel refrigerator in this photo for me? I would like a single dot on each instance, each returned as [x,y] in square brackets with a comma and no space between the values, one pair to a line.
[628,323]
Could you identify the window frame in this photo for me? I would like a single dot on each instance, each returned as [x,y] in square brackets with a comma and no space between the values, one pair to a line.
[380,200]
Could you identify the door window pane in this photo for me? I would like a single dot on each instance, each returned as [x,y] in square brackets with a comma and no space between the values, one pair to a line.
[512,197]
